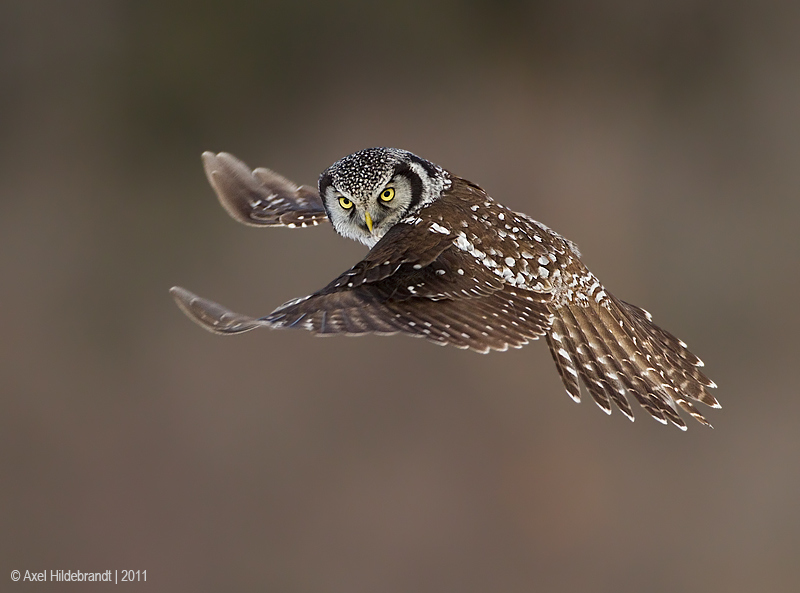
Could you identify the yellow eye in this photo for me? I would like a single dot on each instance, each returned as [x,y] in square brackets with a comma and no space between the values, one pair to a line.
[345,203]
[387,195]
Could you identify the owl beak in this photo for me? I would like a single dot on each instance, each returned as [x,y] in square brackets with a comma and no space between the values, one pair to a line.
[368,220]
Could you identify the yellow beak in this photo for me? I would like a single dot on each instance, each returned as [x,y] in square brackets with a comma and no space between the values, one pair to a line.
[368,220]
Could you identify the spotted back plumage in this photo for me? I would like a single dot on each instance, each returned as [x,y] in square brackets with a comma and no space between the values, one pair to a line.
[455,267]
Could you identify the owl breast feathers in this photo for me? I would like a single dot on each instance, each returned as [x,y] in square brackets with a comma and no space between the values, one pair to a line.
[449,264]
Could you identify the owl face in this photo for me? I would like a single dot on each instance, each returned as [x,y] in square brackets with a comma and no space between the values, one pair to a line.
[368,192]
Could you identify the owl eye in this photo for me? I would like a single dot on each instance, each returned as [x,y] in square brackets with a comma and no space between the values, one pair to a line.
[387,195]
[345,203]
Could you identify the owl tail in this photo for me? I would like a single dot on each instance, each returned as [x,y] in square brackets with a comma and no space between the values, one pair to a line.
[615,348]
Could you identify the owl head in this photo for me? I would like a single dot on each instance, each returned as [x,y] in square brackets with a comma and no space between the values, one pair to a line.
[369,191]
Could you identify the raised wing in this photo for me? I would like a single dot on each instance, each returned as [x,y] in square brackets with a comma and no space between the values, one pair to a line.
[261,197]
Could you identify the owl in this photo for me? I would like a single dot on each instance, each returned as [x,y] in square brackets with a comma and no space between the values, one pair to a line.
[449,264]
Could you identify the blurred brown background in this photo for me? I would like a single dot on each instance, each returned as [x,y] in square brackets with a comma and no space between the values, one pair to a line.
[663,137]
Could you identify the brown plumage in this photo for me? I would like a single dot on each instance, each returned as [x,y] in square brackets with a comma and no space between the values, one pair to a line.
[451,265]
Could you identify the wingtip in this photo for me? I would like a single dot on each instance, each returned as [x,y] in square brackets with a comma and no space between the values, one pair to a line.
[215,162]
[212,316]
[209,160]
[180,294]
[184,299]
[210,166]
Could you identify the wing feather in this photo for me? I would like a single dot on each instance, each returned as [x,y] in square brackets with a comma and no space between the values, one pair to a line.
[261,197]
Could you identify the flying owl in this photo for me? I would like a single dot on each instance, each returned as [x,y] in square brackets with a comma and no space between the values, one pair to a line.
[449,264]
